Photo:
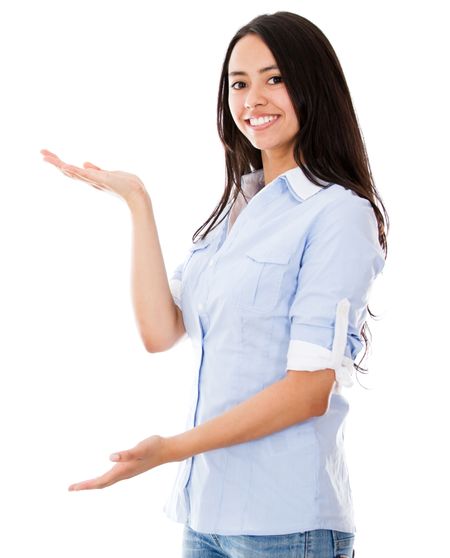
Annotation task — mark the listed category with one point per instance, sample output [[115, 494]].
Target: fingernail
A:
[[114, 457]]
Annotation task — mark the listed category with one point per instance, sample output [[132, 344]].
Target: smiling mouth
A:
[[264, 125]]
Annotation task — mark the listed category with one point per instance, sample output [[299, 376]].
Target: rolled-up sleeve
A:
[[176, 279], [175, 284], [341, 259]]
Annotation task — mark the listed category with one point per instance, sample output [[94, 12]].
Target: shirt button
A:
[[200, 306]]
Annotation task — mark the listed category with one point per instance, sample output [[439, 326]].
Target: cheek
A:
[[233, 111], [237, 120], [295, 124], [284, 102], [291, 117]]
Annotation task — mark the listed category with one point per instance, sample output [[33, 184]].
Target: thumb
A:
[[122, 456]]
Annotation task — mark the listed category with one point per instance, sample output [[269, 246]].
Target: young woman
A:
[[274, 298]]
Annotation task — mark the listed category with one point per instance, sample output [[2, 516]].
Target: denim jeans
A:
[[319, 543]]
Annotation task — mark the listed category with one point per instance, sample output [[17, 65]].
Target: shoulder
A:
[[339, 203], [347, 220], [337, 195]]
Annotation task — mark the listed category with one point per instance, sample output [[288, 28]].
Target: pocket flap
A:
[[263, 256]]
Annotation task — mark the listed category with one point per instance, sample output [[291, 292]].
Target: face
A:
[[257, 91]]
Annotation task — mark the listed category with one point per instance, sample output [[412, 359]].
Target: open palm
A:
[[148, 454], [118, 183]]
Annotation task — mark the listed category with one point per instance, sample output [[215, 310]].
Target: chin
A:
[[264, 146]]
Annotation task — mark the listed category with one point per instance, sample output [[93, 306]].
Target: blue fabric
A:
[[284, 288], [320, 543]]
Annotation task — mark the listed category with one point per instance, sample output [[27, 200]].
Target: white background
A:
[[133, 86]]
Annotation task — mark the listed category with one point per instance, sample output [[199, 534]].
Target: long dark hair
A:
[[329, 139]]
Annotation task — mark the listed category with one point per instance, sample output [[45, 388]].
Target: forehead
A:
[[250, 52]]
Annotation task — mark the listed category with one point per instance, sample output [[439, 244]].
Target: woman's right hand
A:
[[118, 183]]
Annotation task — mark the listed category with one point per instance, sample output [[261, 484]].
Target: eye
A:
[[277, 77], [239, 82]]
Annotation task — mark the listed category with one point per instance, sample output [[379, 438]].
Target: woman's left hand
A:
[[146, 455]]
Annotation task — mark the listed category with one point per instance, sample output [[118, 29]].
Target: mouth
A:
[[263, 125]]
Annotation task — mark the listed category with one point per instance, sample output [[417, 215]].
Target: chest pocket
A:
[[196, 259], [261, 278]]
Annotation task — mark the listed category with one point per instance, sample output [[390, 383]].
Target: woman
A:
[[273, 296]]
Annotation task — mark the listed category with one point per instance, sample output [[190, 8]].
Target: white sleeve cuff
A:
[[309, 356], [303, 355], [175, 289]]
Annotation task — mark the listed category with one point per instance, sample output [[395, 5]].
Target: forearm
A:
[[154, 307], [276, 407]]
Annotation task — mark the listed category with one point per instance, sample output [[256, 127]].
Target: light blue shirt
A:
[[282, 285]]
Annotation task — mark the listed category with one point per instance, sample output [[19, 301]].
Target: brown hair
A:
[[329, 139]]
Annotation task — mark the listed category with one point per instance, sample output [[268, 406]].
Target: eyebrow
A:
[[261, 71]]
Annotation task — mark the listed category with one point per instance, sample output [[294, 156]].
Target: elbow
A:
[[151, 347], [314, 389], [165, 338], [323, 405], [152, 350], [154, 345], [159, 345], [322, 410]]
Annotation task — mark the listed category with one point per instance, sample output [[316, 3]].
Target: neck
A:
[[275, 163]]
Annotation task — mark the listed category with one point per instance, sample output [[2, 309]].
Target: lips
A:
[[265, 125]]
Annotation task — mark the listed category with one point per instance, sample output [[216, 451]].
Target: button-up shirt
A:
[[281, 284]]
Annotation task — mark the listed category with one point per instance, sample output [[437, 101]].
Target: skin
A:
[[148, 453], [262, 93], [300, 394], [118, 183]]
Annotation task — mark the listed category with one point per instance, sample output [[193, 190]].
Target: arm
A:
[[159, 320], [298, 396]]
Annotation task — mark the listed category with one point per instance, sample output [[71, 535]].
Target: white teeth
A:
[[261, 120]]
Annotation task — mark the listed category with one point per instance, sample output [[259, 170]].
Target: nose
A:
[[254, 97]]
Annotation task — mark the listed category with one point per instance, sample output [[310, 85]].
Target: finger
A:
[[76, 174], [53, 159], [103, 481], [90, 484], [47, 152], [126, 455], [85, 485], [89, 175], [91, 166], [94, 177], [70, 170], [73, 172], [56, 161]]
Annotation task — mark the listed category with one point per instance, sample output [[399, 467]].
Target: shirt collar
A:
[[297, 181]]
